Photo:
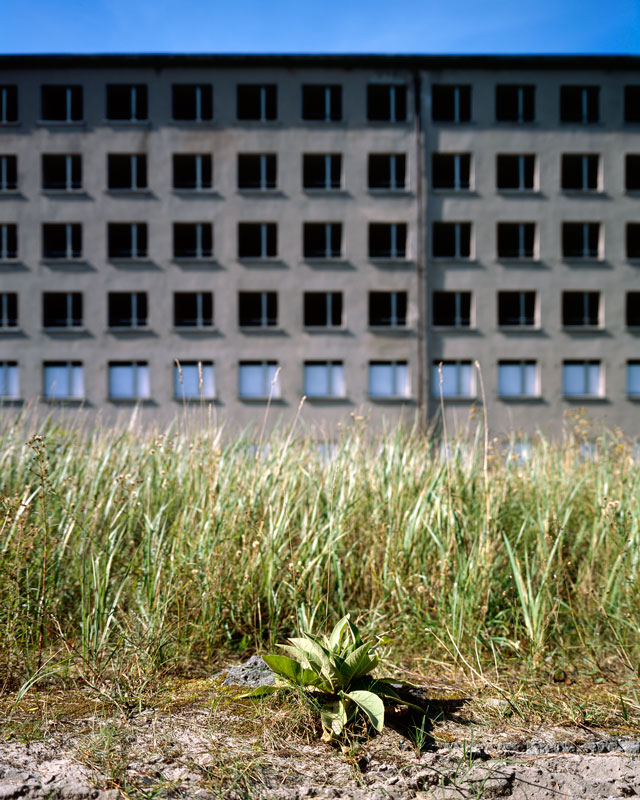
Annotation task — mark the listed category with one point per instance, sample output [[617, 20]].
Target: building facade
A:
[[227, 231]]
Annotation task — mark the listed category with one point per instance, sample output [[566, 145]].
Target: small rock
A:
[[253, 672], [10, 790], [498, 704]]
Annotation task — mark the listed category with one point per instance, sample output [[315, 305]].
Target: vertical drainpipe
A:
[[421, 277]]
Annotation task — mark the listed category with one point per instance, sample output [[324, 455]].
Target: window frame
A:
[[520, 325], [206, 377], [74, 317], [201, 323], [458, 228], [632, 366], [335, 378], [138, 173], [9, 377], [265, 321], [201, 252], [200, 185], [396, 392], [459, 185], [523, 254], [332, 230], [395, 253], [458, 318], [271, 385], [138, 232], [460, 366], [586, 365], [70, 368], [523, 365], [138, 317], [267, 230], [394, 184], [9, 312], [393, 103], [585, 171], [458, 90], [396, 320], [71, 254], [585, 103], [268, 162], [264, 101], [522, 188], [329, 298], [332, 103], [329, 184], [199, 102], [141, 380], [587, 298], [8, 231], [135, 103], [586, 255], [72, 164], [74, 96], [519, 118], [6, 103], [8, 186]]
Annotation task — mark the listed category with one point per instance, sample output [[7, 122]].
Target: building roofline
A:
[[345, 61]]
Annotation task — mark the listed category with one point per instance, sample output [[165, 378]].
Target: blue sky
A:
[[326, 26]]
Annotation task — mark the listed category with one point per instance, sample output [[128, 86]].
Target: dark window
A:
[[580, 172], [127, 101], [632, 103], [451, 309], [127, 171], [323, 309], [192, 172], [450, 103], [516, 309], [515, 173], [516, 239], [322, 239], [192, 309], [387, 240], [322, 171], [62, 103], [192, 102], [61, 173], [579, 104], [387, 171], [515, 103], [127, 239], [580, 239], [8, 173], [632, 173], [451, 240], [256, 102], [257, 171], [388, 309], [127, 309], [633, 239], [580, 308], [257, 309], [192, 240], [8, 241], [633, 309], [386, 102], [62, 240], [8, 310], [257, 240], [451, 170], [8, 103], [62, 309], [323, 103]]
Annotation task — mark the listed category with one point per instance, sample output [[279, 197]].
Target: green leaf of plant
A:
[[372, 706], [357, 664], [315, 654], [287, 667], [259, 691], [336, 634], [334, 717]]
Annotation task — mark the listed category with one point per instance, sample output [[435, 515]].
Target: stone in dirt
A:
[[252, 673]]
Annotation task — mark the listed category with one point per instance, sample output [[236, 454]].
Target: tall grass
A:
[[136, 551]]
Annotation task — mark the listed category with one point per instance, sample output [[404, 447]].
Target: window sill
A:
[[9, 125], [463, 261], [65, 330], [191, 123], [123, 261], [65, 194], [330, 398], [10, 194], [206, 192], [127, 123], [594, 261], [451, 190], [585, 398], [79, 263], [137, 331], [533, 193], [634, 261], [380, 123], [258, 123], [17, 331], [67, 401], [319, 260], [456, 398], [131, 401], [384, 192], [454, 328], [520, 398], [331, 329], [394, 330], [322, 191], [453, 123], [251, 330], [275, 192], [390, 262], [583, 329], [593, 193], [516, 262], [10, 401], [261, 400], [196, 329], [578, 123], [392, 398], [195, 400], [62, 124], [519, 328], [633, 329], [142, 194], [195, 262], [634, 398], [256, 261]]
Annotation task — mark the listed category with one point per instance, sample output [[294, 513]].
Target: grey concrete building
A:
[[224, 231]]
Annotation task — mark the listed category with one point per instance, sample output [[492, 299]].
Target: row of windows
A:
[[195, 310], [256, 240], [320, 241], [319, 102], [579, 172], [259, 380]]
